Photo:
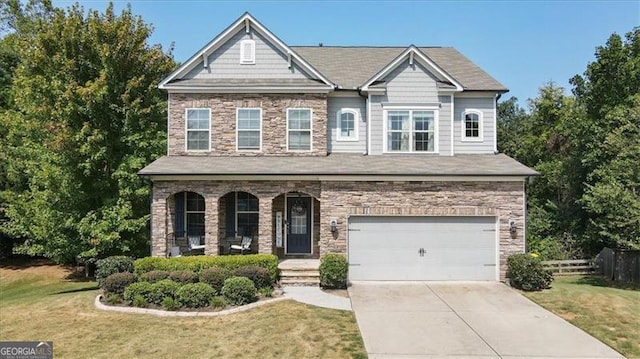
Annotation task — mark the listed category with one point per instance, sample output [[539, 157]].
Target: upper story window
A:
[[247, 52], [472, 125], [249, 129], [411, 131], [198, 121], [299, 129], [347, 125]]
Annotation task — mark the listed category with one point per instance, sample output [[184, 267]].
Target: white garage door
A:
[[422, 248]]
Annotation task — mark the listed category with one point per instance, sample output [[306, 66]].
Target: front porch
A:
[[195, 218]]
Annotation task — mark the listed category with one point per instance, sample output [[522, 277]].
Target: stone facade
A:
[[223, 122], [336, 200]]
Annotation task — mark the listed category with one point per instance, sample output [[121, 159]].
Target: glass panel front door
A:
[[299, 225]]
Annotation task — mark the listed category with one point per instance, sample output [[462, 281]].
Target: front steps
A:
[[299, 272]]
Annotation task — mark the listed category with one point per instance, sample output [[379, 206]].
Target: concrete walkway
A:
[[474, 319], [315, 296]]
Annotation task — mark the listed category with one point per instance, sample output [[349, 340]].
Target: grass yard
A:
[[606, 310], [39, 303]]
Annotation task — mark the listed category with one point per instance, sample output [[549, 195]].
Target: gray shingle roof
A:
[[341, 164], [246, 83], [351, 67]]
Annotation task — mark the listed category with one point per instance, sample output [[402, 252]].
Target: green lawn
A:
[[607, 310], [39, 303]]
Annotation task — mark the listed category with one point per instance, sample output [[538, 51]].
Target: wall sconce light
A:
[[512, 227], [334, 225]]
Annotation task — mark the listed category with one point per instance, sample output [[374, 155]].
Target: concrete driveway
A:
[[479, 320]]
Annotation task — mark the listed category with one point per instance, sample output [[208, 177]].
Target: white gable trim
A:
[[413, 53], [242, 24]]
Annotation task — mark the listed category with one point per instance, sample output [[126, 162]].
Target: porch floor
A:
[[299, 264]]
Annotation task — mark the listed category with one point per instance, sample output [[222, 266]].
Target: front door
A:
[[299, 225]]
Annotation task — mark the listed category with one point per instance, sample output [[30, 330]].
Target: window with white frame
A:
[[198, 122], [247, 211], [411, 131], [472, 125], [347, 128], [194, 214], [249, 129], [299, 129], [247, 52]]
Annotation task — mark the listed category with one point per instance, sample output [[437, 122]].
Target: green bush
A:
[[525, 271], [258, 275], [110, 265], [198, 263], [115, 283], [142, 289], [215, 277], [218, 302], [169, 303], [195, 295], [239, 290], [139, 301], [333, 271], [165, 288], [266, 292], [183, 276], [113, 299], [154, 276]]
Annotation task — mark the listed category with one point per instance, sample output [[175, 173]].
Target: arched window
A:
[[347, 128], [472, 125]]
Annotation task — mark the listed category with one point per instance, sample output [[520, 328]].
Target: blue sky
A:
[[523, 44]]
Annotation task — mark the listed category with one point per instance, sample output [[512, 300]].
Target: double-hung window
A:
[[249, 129], [472, 125], [198, 129], [299, 129], [411, 131], [347, 125]]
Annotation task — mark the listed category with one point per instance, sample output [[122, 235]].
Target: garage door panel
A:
[[456, 248]]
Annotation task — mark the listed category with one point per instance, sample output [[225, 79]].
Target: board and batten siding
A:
[[484, 104], [224, 62], [335, 104]]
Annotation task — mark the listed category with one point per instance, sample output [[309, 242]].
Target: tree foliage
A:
[[85, 116], [587, 150]]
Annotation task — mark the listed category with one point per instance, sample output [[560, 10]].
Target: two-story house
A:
[[385, 154]]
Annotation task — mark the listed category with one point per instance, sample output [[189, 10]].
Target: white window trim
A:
[[186, 129], [356, 125], [241, 212], [252, 60], [463, 125], [436, 117], [310, 129], [238, 129]]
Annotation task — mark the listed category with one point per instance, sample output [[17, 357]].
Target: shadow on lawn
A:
[[599, 281], [76, 290]]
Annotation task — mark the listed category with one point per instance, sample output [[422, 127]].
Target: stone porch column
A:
[[158, 224], [211, 225], [265, 225]]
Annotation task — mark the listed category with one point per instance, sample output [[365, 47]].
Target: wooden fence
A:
[[619, 265], [570, 266]]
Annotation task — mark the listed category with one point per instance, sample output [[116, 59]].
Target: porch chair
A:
[[174, 252], [244, 246], [194, 243]]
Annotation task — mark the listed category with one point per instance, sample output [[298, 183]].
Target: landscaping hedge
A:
[[114, 264], [140, 289], [160, 290], [117, 282], [239, 290], [258, 275], [215, 277], [525, 271], [154, 276], [183, 276], [333, 271], [198, 263], [195, 295]]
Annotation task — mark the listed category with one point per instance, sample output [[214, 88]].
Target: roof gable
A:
[[245, 23]]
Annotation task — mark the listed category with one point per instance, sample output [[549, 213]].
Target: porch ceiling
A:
[[340, 165]]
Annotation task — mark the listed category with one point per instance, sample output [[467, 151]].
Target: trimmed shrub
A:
[[110, 265], [215, 277], [154, 276], [183, 276], [142, 289], [525, 271], [165, 288], [169, 303], [258, 275], [218, 302], [333, 271], [195, 295], [239, 290], [115, 283], [198, 263]]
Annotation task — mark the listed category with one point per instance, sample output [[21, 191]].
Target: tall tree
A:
[[88, 117]]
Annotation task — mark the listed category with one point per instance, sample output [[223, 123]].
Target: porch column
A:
[[158, 224], [265, 225], [211, 225]]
